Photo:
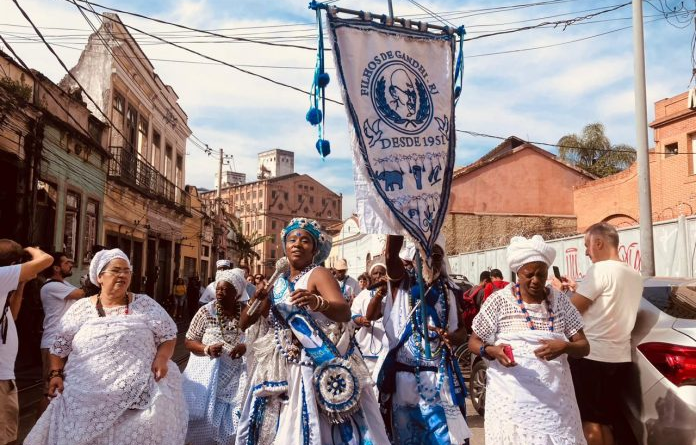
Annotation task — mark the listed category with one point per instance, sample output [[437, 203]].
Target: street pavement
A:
[[475, 422], [30, 395]]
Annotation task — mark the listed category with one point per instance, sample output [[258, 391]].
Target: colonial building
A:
[[672, 173], [265, 206], [357, 248], [197, 241], [53, 167], [515, 189], [145, 204]]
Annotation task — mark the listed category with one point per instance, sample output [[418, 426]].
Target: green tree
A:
[[593, 152], [245, 244]]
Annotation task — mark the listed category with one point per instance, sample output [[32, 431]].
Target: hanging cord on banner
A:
[[317, 98], [424, 313], [459, 70]]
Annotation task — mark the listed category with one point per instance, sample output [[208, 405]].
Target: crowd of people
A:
[[319, 357]]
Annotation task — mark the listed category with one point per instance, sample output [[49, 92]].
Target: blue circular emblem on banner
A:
[[401, 98]]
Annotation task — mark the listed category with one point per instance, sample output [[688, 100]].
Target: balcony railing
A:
[[135, 172]]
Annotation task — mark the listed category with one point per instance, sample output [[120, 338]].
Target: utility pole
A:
[[219, 202], [647, 256]]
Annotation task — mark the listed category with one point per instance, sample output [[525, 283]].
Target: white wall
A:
[[674, 253], [355, 247]]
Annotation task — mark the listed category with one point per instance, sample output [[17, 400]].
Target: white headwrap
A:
[[408, 253], [235, 277], [523, 251], [223, 263], [101, 259], [369, 272]]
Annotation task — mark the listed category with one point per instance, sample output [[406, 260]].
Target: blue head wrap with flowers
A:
[[322, 242]]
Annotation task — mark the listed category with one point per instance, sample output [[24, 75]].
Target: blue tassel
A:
[[323, 147], [314, 116], [323, 80], [317, 110], [459, 66]]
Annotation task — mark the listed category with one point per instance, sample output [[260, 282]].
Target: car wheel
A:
[[462, 354], [477, 386]]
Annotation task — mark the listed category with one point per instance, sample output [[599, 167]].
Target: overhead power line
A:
[[548, 144], [178, 25], [67, 70], [251, 73]]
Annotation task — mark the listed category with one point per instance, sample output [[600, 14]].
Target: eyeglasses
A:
[[118, 271]]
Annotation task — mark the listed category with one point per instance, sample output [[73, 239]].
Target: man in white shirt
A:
[[608, 298], [12, 278], [209, 292], [57, 295], [349, 285]]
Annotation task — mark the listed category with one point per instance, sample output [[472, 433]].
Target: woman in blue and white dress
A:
[[312, 364], [216, 372]]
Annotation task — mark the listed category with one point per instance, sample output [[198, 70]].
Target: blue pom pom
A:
[[323, 147], [457, 91], [314, 116], [323, 80]]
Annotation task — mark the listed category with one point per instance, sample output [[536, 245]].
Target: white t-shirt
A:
[[9, 279], [615, 289], [55, 303], [208, 294], [349, 287]]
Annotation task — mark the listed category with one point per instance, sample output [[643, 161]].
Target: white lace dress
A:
[[110, 395], [534, 402], [212, 386]]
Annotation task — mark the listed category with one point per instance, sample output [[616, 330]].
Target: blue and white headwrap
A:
[[322, 242]]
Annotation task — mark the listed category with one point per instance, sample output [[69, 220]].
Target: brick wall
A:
[[466, 232], [672, 180]]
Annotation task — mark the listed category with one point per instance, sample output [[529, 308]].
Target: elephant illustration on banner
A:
[[391, 178]]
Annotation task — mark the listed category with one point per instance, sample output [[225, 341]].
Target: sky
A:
[[537, 84]]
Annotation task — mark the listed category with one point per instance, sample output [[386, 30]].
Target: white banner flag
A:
[[397, 87]]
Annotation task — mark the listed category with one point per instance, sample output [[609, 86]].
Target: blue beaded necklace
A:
[[520, 303]]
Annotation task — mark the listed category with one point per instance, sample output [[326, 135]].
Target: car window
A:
[[677, 301]]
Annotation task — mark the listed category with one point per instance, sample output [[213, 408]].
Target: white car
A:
[[661, 401]]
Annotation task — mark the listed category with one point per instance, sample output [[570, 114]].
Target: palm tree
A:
[[593, 152], [244, 244]]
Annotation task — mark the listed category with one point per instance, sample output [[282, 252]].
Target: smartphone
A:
[[557, 273], [507, 350]]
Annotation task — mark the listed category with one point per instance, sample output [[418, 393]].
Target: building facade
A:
[[672, 173], [145, 205], [197, 240], [54, 151], [357, 248], [515, 189], [265, 206]]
